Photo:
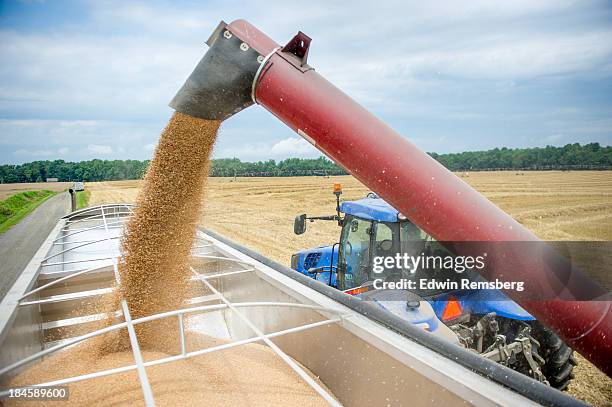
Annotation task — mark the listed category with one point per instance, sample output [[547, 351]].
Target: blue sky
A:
[[92, 79]]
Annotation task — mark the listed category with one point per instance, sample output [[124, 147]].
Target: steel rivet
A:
[[227, 34], [244, 46], [260, 59]]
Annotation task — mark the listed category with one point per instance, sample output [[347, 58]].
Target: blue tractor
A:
[[484, 321]]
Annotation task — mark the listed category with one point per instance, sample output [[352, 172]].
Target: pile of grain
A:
[[155, 274], [248, 375]]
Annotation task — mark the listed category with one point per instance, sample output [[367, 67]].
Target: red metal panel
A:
[[252, 36], [427, 193]]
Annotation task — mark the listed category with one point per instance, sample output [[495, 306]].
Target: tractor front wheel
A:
[[558, 358]]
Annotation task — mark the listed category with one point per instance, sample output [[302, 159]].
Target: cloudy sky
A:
[[92, 79]]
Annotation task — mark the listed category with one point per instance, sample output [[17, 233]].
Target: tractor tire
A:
[[559, 359]]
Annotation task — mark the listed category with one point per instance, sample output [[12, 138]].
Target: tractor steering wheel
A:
[[385, 245], [348, 251]]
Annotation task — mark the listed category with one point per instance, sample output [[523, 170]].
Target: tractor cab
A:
[[371, 228]]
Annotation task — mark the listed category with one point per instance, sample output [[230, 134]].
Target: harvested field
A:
[[259, 212], [113, 192], [7, 190], [554, 205]]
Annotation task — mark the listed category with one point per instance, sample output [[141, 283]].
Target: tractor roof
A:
[[372, 208]]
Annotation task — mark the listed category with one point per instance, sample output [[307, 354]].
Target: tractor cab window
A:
[[412, 239], [416, 242], [354, 253], [386, 244]]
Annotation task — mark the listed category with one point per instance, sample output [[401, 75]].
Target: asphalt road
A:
[[19, 243]]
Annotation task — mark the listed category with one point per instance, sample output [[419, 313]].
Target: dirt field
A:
[[259, 212], [7, 190]]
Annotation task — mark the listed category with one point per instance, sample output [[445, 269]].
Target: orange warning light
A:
[[337, 188]]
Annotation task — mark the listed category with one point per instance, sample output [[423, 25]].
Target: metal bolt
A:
[[260, 59], [227, 34], [244, 46]]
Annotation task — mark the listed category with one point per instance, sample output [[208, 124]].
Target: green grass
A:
[[82, 199], [16, 207]]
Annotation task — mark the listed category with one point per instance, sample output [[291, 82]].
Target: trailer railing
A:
[[105, 213]]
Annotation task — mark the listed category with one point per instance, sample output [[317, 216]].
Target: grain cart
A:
[[244, 66], [243, 298], [485, 321]]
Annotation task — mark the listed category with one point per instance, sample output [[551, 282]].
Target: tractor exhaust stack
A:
[[244, 66]]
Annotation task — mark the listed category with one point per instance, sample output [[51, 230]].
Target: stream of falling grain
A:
[[154, 272], [156, 245]]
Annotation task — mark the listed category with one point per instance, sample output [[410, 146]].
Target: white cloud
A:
[[176, 21], [72, 139], [456, 65], [286, 148], [135, 70], [294, 147], [33, 153], [86, 75], [99, 149], [554, 138]]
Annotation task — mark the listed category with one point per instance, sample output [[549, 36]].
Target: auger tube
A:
[[230, 78]]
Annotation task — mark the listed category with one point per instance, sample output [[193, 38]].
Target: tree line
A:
[[93, 170], [570, 156], [230, 167]]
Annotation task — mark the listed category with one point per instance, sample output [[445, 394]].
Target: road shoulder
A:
[[20, 242]]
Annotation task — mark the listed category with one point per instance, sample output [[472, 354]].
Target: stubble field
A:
[[259, 212], [7, 190]]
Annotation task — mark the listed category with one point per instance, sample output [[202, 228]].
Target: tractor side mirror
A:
[[299, 225]]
